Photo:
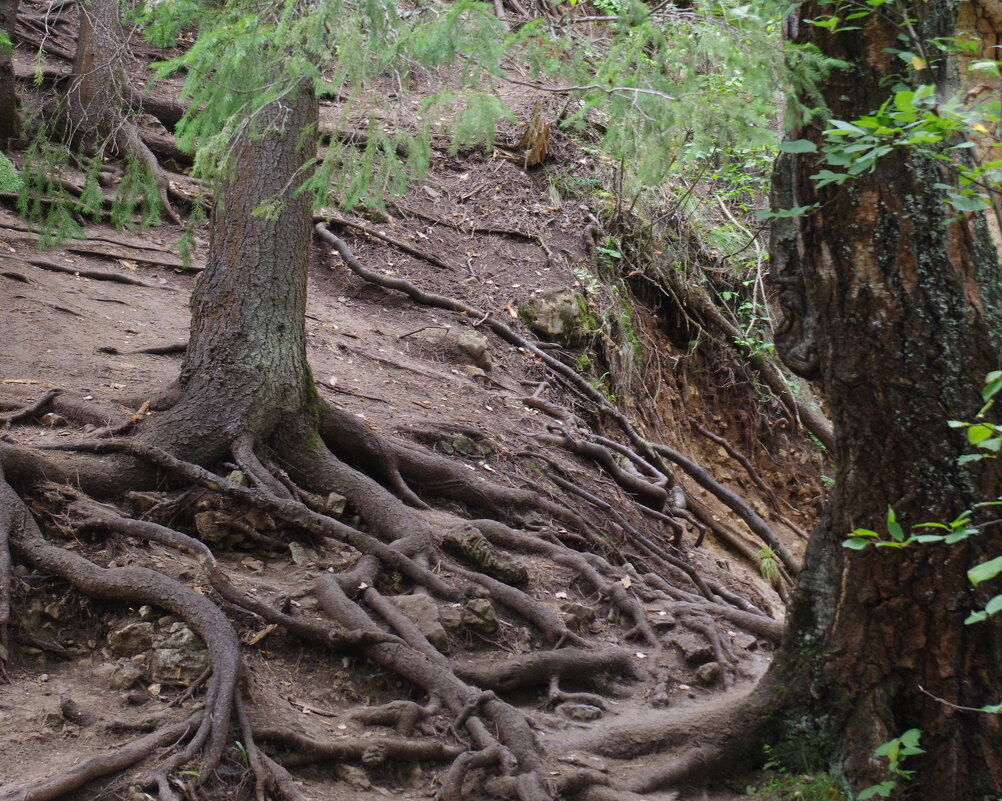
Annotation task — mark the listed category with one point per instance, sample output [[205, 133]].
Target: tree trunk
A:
[[100, 82], [895, 309], [9, 123], [102, 102], [245, 369]]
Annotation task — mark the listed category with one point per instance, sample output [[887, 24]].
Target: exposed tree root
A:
[[368, 230], [30, 409], [540, 668], [488, 743], [141, 585], [369, 751], [96, 275], [689, 296], [652, 452], [123, 756]]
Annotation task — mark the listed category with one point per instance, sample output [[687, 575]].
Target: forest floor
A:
[[82, 672]]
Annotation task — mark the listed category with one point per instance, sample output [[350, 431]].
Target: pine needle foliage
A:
[[10, 178], [670, 87]]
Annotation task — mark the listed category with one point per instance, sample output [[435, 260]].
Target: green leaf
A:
[[842, 125], [968, 202], [993, 383], [882, 790], [985, 571], [969, 457], [994, 605], [798, 146], [893, 527], [979, 433], [855, 543], [909, 741], [994, 444], [992, 709], [925, 538]]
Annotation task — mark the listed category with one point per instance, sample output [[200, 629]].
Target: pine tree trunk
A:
[[9, 122], [897, 311], [100, 82], [245, 370]]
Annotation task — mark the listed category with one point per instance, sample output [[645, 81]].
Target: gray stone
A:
[[695, 649], [353, 776], [299, 554], [136, 638], [124, 676], [579, 616], [180, 636], [478, 616], [238, 477], [451, 617], [147, 612], [475, 345], [579, 711], [557, 315], [422, 611], [178, 665], [709, 673], [472, 547]]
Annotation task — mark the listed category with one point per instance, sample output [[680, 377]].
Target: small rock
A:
[[53, 420], [213, 526], [178, 665], [124, 676], [299, 554], [238, 477], [695, 649], [579, 616], [709, 673], [135, 638], [475, 345], [472, 547], [166, 621], [557, 315], [180, 636], [334, 504], [478, 615], [451, 617], [353, 776], [579, 711], [423, 613], [146, 612], [74, 713]]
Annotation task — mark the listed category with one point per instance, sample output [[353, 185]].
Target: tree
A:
[[9, 122], [101, 105], [893, 302]]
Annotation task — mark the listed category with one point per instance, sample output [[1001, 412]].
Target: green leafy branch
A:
[[895, 752]]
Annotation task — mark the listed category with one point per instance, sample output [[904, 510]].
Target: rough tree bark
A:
[[10, 124], [102, 103], [245, 369], [896, 309]]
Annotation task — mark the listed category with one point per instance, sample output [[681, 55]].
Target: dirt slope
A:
[[76, 683]]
